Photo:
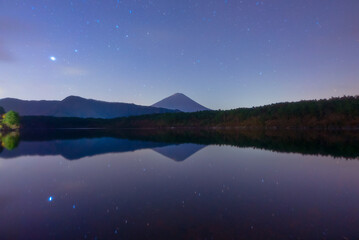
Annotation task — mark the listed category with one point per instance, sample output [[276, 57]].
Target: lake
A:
[[145, 184]]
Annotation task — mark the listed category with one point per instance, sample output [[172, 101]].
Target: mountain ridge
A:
[[75, 106], [180, 102]]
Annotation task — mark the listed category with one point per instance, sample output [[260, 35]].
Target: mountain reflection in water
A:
[[174, 144]]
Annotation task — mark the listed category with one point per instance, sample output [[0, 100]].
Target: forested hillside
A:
[[329, 113]]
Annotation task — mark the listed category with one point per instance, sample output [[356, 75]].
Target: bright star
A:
[[50, 199], [52, 58]]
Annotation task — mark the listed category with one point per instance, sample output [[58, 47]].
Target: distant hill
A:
[[180, 102], [74, 106]]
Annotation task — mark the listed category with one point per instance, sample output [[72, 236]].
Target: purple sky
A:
[[223, 54]]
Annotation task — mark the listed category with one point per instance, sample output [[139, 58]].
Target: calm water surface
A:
[[117, 188]]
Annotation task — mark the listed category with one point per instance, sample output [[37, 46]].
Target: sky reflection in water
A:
[[207, 192]]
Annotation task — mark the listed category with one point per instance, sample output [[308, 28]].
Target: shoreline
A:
[[192, 128]]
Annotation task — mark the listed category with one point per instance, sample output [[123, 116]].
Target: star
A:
[[52, 58]]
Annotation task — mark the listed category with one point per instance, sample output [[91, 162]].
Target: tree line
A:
[[327, 113], [334, 113]]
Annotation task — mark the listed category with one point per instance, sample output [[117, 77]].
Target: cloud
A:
[[8, 26], [74, 71], [5, 55], [12, 31]]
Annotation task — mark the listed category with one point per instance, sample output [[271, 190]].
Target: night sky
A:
[[223, 54]]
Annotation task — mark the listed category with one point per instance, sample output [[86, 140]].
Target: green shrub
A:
[[12, 120]]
